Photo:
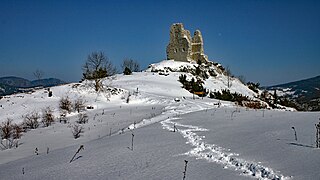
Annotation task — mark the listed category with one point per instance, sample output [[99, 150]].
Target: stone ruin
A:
[[184, 48]]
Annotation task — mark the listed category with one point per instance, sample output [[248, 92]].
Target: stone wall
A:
[[184, 48]]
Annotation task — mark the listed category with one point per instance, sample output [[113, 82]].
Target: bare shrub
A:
[[82, 118], [31, 120], [77, 130], [10, 133], [47, 117], [6, 129], [79, 105], [65, 104], [17, 131]]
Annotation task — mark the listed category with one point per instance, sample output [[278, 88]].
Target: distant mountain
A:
[[305, 93], [11, 84], [15, 81], [47, 82]]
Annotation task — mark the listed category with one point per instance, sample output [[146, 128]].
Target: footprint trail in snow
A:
[[220, 155], [203, 150]]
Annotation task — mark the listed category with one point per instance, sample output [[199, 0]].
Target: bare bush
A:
[[10, 133], [47, 117], [65, 104], [82, 118], [77, 130], [79, 105], [6, 129], [31, 120], [17, 131]]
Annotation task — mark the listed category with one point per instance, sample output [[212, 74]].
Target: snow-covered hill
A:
[[130, 133], [216, 82]]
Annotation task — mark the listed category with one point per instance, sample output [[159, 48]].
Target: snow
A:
[[219, 142], [283, 92], [174, 65]]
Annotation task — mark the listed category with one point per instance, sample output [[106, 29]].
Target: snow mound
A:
[[216, 81], [169, 64]]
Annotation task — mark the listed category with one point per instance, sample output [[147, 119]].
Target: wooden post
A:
[[132, 142], [317, 135], [295, 133], [185, 169]]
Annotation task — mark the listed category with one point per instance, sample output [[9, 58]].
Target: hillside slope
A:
[[306, 93], [130, 133]]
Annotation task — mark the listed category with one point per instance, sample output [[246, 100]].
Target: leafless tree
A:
[[38, 74], [96, 67], [228, 73], [133, 65]]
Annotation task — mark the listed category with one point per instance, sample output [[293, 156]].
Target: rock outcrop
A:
[[184, 48]]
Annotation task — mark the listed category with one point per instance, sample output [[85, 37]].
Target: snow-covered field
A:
[[219, 142]]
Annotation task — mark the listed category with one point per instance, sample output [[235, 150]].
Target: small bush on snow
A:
[[77, 130], [65, 104], [10, 133], [82, 118], [31, 120], [47, 117], [6, 129], [79, 105]]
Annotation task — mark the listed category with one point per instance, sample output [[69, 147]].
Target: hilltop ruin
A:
[[182, 47]]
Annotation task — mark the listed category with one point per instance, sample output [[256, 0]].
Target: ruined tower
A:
[[182, 47]]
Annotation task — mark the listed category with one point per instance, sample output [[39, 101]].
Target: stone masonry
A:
[[184, 48]]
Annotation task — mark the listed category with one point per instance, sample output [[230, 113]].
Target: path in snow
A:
[[212, 152]]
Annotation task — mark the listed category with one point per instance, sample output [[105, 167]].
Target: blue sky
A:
[[266, 41]]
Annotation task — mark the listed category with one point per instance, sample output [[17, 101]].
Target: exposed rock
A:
[[184, 48]]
